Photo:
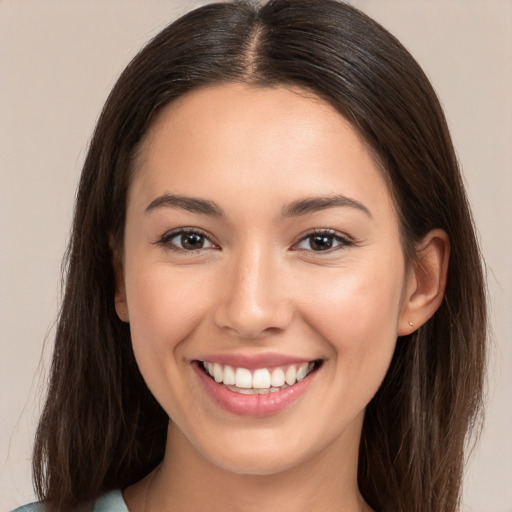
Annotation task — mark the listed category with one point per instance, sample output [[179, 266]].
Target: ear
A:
[[426, 282], [121, 303]]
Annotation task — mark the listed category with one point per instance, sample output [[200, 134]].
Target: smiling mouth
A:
[[259, 381]]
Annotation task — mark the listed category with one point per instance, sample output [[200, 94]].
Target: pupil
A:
[[191, 241], [321, 242]]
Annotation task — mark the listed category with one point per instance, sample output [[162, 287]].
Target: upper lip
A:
[[253, 361]]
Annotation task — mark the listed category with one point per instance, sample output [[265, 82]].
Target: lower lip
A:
[[252, 405]]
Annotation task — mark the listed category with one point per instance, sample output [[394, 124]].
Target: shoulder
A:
[[110, 502], [31, 507]]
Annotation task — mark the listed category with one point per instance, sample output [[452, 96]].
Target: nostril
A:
[[252, 325]]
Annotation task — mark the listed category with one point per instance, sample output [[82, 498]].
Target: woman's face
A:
[[261, 241]]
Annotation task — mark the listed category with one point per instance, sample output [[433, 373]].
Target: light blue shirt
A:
[[110, 502]]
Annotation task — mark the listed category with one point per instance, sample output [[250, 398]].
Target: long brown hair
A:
[[101, 428]]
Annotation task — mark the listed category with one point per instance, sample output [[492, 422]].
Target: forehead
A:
[[259, 139]]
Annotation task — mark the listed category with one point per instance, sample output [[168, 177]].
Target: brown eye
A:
[[186, 240], [323, 241], [191, 241]]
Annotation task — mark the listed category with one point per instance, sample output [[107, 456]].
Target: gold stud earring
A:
[[411, 324]]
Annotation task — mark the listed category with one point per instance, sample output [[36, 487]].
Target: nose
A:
[[253, 300]]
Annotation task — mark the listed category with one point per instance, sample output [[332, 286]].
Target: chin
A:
[[255, 465], [252, 456]]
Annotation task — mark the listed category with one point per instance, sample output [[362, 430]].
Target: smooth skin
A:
[[255, 273]]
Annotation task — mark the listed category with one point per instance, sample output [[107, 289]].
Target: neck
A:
[[186, 481]]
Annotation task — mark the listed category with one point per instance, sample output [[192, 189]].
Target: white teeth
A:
[[243, 378], [245, 391], [218, 374], [291, 375], [229, 376], [302, 371], [261, 380], [277, 379]]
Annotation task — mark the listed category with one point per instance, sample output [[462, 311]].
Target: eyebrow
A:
[[294, 209], [315, 204], [190, 204]]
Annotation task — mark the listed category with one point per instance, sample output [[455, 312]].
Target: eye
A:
[[322, 241], [186, 240]]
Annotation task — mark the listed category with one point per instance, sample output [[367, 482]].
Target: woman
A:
[[274, 295]]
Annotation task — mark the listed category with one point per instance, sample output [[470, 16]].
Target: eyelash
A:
[[166, 240], [334, 236], [342, 241]]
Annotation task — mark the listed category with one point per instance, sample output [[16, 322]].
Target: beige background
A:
[[58, 60]]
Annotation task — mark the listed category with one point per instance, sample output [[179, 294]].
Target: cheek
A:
[[165, 307], [357, 318]]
